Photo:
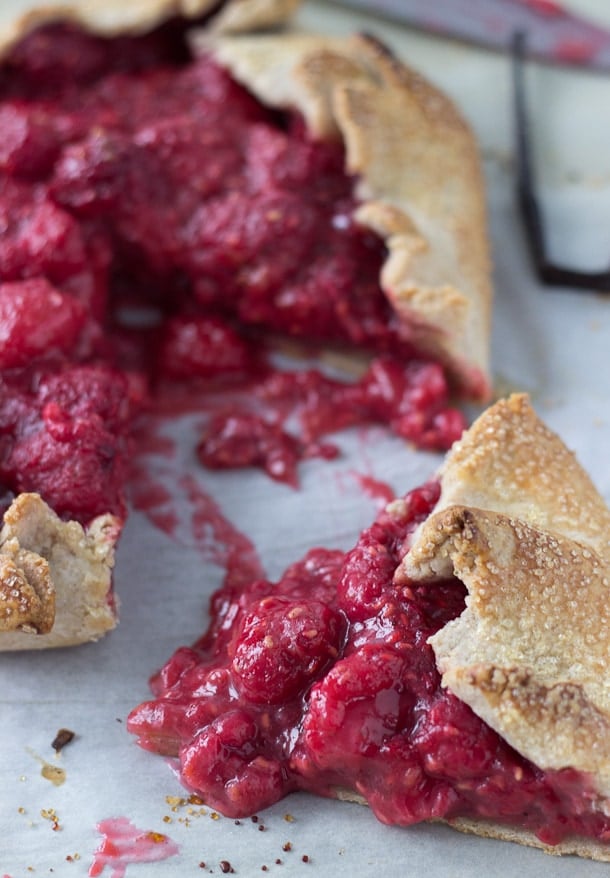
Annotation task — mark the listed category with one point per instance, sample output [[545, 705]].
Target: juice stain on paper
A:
[[124, 844]]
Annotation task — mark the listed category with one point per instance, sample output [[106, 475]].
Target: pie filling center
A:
[[151, 210]]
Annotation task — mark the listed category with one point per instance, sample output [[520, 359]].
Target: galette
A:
[[178, 191], [452, 666], [175, 195]]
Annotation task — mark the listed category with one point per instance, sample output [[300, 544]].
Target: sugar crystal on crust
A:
[[55, 577], [27, 594]]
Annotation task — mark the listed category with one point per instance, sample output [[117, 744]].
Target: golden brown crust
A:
[[511, 461], [27, 593], [582, 847], [240, 16], [419, 178], [110, 18], [520, 523], [62, 573]]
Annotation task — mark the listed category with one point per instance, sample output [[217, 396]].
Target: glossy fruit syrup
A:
[[325, 681]]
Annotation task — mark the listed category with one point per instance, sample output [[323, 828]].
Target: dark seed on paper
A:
[[63, 737]]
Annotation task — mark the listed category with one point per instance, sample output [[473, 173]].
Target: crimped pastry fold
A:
[[110, 18], [521, 525], [417, 173]]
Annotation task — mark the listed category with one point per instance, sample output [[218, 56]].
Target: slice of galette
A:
[[169, 200], [55, 577], [452, 666]]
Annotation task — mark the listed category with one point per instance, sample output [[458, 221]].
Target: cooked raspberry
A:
[[413, 399], [91, 175], [183, 660], [223, 765], [356, 707], [88, 390], [324, 405], [242, 244], [54, 57], [279, 160], [452, 744], [283, 645], [29, 143], [36, 319], [365, 576], [366, 579], [243, 439], [203, 347], [314, 576], [68, 441], [41, 240]]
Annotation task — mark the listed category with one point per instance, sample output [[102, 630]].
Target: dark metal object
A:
[[555, 34], [548, 272]]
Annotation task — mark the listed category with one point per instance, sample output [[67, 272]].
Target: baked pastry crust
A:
[[27, 593], [581, 847], [113, 17], [55, 577], [522, 526], [418, 172]]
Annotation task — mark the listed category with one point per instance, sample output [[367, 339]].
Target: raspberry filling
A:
[[325, 681], [63, 434], [238, 212], [151, 211]]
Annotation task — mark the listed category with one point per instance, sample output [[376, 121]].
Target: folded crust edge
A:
[[80, 605], [418, 177], [109, 18], [577, 846]]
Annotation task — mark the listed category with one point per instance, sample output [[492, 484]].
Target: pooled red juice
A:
[[123, 844]]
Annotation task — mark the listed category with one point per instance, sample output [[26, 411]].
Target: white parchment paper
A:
[[553, 344]]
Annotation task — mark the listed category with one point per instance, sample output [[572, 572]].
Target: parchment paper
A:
[[553, 344]]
